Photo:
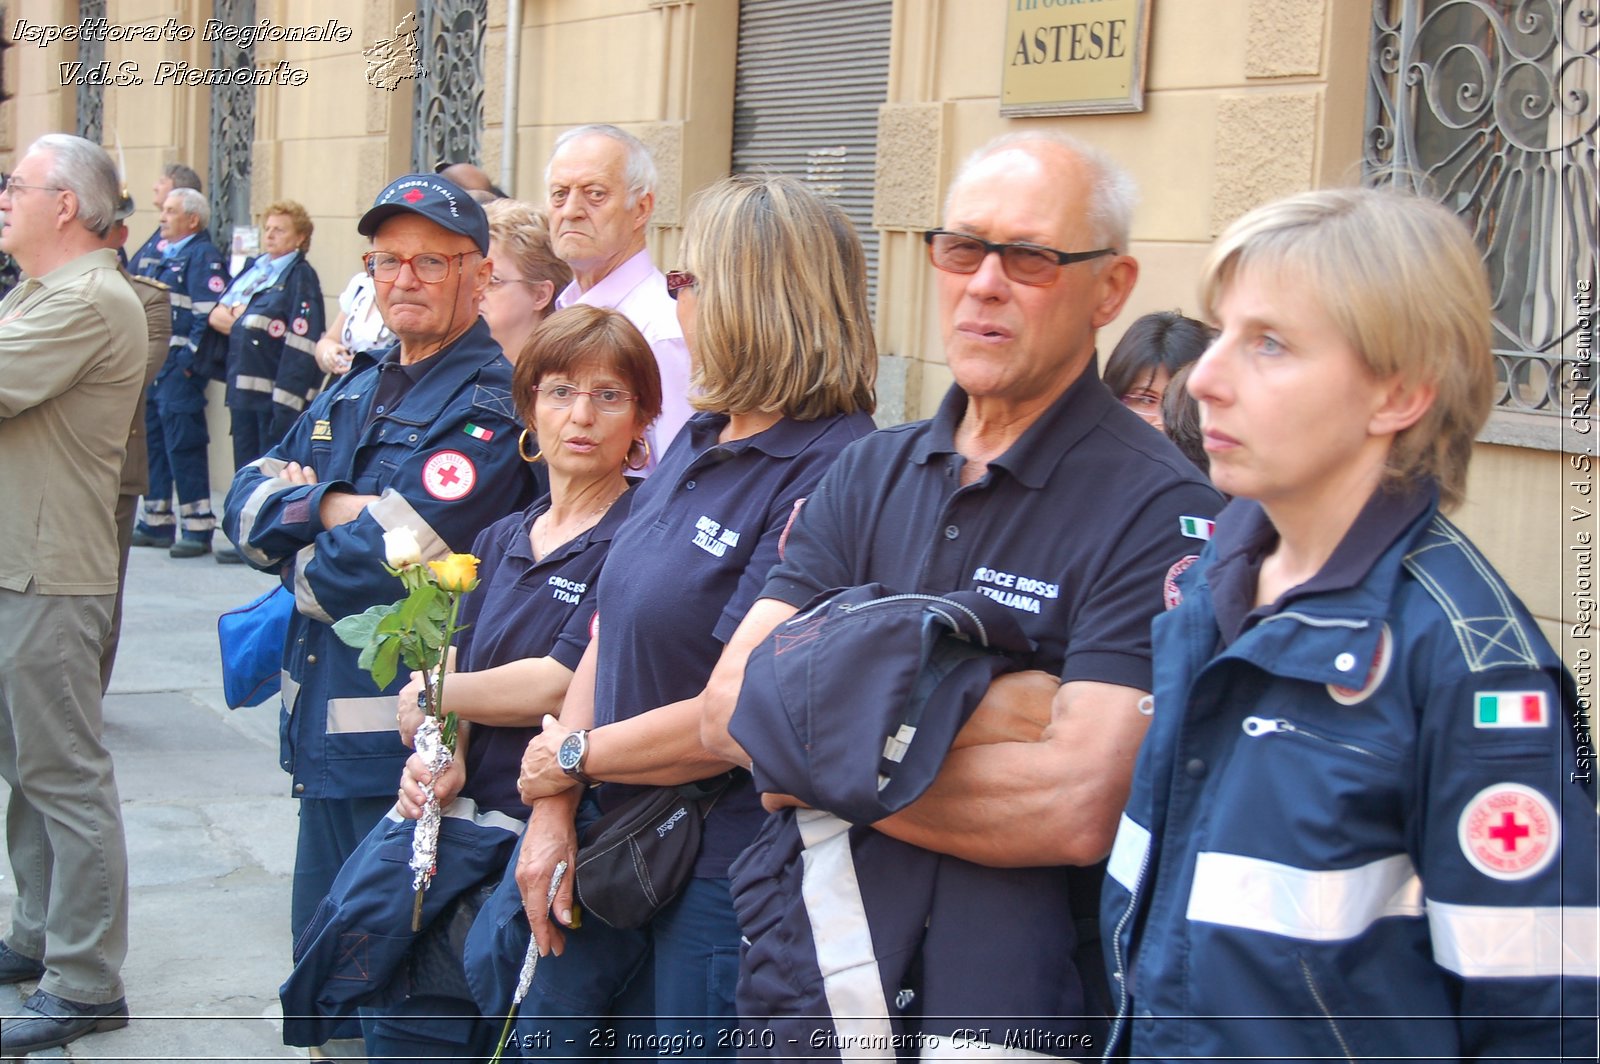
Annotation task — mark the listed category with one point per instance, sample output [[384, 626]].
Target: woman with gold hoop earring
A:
[[586, 385]]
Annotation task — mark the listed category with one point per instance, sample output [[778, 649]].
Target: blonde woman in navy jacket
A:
[[1362, 823]]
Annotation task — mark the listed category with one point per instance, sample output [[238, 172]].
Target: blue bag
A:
[[252, 639]]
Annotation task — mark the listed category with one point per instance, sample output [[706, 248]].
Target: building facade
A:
[[1488, 105]]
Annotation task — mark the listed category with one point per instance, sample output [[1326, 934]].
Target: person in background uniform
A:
[[195, 273], [271, 315], [1152, 351], [426, 440], [147, 260], [135, 464], [472, 178], [72, 356], [601, 186], [1361, 826], [1004, 492]]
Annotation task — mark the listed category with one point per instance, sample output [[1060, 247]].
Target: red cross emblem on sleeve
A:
[[1509, 831], [449, 475]]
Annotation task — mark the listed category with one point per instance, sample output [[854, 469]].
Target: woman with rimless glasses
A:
[[587, 388]]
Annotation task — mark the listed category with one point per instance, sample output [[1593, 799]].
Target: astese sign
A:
[[1066, 57]]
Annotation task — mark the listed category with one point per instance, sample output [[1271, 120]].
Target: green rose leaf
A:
[[358, 629]]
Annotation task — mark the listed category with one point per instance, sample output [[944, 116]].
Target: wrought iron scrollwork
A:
[[1488, 106], [91, 53], [447, 121], [233, 127]]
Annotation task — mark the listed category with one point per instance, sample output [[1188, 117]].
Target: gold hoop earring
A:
[[522, 449], [644, 459]]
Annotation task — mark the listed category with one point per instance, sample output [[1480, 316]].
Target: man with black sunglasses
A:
[[1034, 486], [426, 440]]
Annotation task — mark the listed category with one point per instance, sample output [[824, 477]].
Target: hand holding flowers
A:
[[418, 630]]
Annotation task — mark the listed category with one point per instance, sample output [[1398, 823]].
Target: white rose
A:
[[401, 548]]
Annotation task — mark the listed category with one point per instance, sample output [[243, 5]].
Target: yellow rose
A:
[[457, 572]]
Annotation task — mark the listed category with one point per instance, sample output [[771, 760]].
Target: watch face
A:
[[570, 755]]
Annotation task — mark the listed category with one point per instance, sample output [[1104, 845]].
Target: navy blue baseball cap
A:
[[437, 199]]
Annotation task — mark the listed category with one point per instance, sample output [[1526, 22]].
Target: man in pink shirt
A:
[[601, 183]]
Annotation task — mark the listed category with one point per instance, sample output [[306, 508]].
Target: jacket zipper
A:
[[983, 633], [1121, 974], [1311, 984], [1255, 727]]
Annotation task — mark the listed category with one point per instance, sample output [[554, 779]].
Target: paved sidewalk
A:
[[211, 831]]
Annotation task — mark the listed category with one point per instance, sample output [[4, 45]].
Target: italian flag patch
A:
[[478, 432], [1196, 527], [1510, 709]]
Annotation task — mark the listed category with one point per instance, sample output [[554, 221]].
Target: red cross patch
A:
[[1170, 593], [216, 284], [1509, 831], [413, 195], [449, 475], [274, 328], [299, 326]]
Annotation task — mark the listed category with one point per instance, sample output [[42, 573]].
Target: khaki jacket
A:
[[158, 326], [72, 358]]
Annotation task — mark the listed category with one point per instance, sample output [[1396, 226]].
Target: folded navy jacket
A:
[[361, 934]]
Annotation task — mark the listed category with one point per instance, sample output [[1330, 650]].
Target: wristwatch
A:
[[570, 754]]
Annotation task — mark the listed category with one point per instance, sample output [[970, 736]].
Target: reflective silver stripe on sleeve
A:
[[205, 307], [376, 714], [845, 957], [393, 511], [288, 399], [1316, 906], [300, 343], [253, 384], [248, 514], [1511, 942], [305, 600], [255, 321], [467, 809], [178, 341], [1127, 854], [180, 301], [290, 690]]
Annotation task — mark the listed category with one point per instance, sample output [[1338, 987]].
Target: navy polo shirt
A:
[[1245, 536], [704, 531], [526, 609], [1074, 527]]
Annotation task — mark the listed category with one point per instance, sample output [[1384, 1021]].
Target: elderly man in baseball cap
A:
[[425, 440]]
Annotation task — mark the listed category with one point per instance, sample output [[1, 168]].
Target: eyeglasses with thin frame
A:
[[678, 280], [605, 400], [496, 281], [7, 183], [1024, 263], [430, 267]]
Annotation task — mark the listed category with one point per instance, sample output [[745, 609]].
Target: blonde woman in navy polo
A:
[[773, 306]]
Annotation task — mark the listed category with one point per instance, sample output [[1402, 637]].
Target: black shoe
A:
[[228, 556], [48, 1021], [189, 547], [141, 538], [16, 968]]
